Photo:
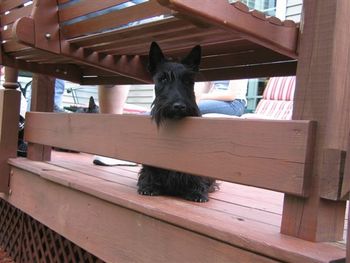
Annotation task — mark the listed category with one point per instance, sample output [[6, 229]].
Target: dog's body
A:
[[175, 99]]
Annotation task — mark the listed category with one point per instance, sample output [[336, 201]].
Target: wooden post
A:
[[43, 89], [322, 94], [10, 100]]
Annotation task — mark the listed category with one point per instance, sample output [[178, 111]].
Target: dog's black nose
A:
[[179, 106]]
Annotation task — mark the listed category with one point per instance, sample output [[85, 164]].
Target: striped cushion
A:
[[134, 109], [275, 109], [280, 88], [277, 101]]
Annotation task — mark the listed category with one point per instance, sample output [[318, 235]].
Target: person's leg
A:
[[111, 100], [201, 88], [59, 90], [235, 107]]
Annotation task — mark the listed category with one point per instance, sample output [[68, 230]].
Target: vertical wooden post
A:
[[322, 94], [10, 100], [43, 89]]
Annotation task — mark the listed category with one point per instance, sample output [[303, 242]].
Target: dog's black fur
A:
[[92, 108], [175, 99]]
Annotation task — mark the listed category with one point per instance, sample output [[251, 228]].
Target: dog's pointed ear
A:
[[92, 102], [193, 59], [155, 57]]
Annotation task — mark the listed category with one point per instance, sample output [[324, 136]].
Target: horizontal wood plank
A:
[[221, 13], [110, 239], [85, 7], [114, 19], [267, 154], [15, 14], [7, 5], [118, 234]]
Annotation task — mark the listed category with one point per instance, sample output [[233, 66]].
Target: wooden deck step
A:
[[98, 208]]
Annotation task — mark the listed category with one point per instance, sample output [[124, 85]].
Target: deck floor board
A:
[[245, 202], [243, 216]]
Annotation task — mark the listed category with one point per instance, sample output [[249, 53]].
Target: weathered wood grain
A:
[[9, 117], [322, 94], [268, 154]]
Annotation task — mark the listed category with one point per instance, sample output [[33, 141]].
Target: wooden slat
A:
[[114, 19], [113, 242], [13, 46], [61, 201], [279, 150], [62, 71], [221, 13], [256, 56], [7, 5], [191, 36], [15, 14], [85, 7], [62, 1], [6, 34], [250, 71], [128, 66], [160, 27]]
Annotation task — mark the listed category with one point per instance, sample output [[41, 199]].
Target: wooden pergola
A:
[[305, 158]]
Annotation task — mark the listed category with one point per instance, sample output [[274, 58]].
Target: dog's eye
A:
[[163, 78]]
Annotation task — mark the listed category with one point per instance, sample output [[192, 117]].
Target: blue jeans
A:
[[59, 90], [235, 107]]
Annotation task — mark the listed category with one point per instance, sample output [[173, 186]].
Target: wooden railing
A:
[[269, 154]]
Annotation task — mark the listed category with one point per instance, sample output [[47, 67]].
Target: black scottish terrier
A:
[[175, 99]]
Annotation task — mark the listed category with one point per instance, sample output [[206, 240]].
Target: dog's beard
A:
[[161, 113]]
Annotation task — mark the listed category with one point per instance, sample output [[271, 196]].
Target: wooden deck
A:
[[239, 224]]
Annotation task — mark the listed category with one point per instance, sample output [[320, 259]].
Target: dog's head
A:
[[174, 84], [93, 108]]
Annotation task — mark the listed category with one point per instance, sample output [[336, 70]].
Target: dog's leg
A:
[[197, 188], [149, 181]]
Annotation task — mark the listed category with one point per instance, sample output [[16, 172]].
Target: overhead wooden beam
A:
[[249, 71], [62, 71]]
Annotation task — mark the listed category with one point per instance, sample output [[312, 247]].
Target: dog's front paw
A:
[[197, 197], [148, 192]]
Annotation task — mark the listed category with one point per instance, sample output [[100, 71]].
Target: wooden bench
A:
[[47, 37]]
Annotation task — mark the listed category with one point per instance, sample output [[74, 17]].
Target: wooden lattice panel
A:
[[27, 240], [11, 225]]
